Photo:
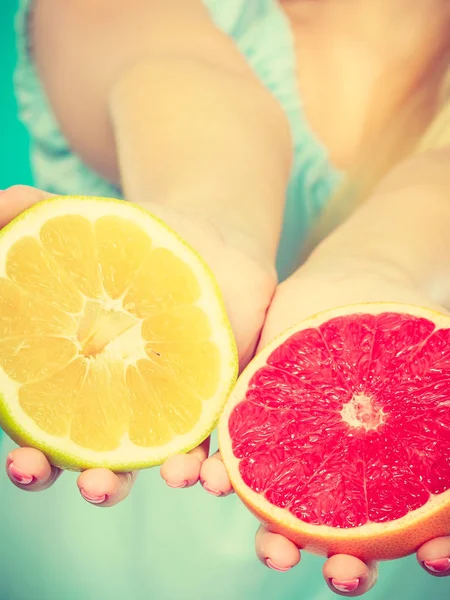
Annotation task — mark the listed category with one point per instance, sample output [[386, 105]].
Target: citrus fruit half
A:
[[115, 348], [337, 435]]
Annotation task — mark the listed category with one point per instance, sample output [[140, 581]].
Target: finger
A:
[[18, 198], [104, 488], [214, 476], [349, 576], [28, 469], [183, 470], [434, 557], [275, 551]]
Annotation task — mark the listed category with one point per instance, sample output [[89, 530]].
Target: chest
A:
[[355, 74]]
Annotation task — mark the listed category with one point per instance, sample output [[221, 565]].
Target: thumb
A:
[[18, 198]]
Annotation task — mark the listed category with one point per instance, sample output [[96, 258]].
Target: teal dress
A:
[[165, 544]]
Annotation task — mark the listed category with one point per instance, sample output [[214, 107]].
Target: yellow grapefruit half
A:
[[115, 348], [337, 435]]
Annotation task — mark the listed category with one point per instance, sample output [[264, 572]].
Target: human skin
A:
[[231, 213]]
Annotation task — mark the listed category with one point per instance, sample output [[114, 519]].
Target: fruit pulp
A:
[[349, 423]]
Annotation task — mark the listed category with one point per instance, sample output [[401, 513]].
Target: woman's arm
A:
[[202, 140], [401, 234], [153, 96], [395, 248]]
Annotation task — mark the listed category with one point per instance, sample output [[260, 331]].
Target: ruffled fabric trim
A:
[[264, 36]]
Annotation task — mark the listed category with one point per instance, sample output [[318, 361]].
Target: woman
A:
[[217, 116]]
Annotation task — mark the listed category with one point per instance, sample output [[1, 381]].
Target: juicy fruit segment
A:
[[26, 360], [50, 402], [119, 261], [347, 424], [34, 271], [72, 244], [163, 282], [105, 338]]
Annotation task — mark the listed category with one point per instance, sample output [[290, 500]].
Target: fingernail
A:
[[275, 567], [19, 476], [177, 485], [92, 499], [211, 491], [345, 586], [440, 565]]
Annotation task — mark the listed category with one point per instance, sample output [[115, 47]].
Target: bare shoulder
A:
[[81, 47]]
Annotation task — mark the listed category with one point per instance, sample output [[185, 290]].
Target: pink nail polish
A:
[[345, 586], [177, 485], [93, 499], [211, 491], [18, 476], [275, 567], [440, 565]]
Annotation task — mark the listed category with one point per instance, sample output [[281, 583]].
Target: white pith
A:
[[129, 345], [360, 412], [275, 514]]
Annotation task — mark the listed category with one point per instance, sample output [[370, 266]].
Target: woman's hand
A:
[[192, 127], [247, 282], [296, 299], [394, 248]]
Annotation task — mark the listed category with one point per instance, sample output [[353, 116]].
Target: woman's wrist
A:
[[197, 229], [399, 235]]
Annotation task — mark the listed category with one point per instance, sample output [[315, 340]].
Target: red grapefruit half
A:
[[337, 435]]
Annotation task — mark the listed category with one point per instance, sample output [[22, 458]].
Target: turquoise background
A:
[[14, 141], [15, 169], [14, 156]]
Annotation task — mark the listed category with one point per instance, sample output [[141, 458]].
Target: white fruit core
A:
[[361, 411], [99, 327]]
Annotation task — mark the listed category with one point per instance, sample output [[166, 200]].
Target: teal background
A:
[[14, 144], [400, 581]]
